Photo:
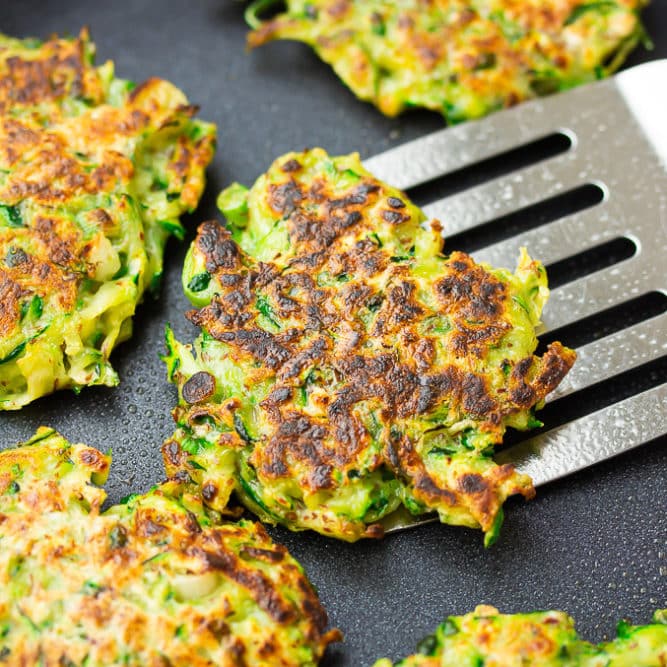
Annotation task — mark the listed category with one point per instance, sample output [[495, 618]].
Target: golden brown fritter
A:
[[346, 366], [152, 581], [463, 58], [94, 174], [488, 638]]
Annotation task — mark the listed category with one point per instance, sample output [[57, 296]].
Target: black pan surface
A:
[[594, 544]]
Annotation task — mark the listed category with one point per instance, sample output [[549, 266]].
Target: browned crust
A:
[[59, 70], [199, 387], [44, 169], [233, 553], [52, 160], [10, 293], [122, 548], [405, 381], [478, 491]]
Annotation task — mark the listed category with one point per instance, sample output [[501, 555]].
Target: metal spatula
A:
[[618, 142]]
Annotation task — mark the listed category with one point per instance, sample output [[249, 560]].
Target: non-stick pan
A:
[[594, 544]]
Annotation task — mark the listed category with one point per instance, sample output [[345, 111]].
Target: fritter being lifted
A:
[[462, 58], [151, 581], [539, 639], [345, 365], [94, 174]]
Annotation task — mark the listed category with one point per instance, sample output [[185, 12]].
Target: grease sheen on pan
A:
[[346, 366], [94, 174], [462, 58], [153, 582], [488, 638]]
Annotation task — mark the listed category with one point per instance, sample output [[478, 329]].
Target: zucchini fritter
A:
[[539, 639], [94, 174], [462, 58], [148, 582], [346, 366]]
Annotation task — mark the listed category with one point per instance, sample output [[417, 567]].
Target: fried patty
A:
[[150, 582], [94, 174], [346, 366], [538, 639], [462, 58]]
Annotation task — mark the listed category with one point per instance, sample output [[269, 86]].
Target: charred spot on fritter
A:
[[218, 248], [200, 387], [355, 366]]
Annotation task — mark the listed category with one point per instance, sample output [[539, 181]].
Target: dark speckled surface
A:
[[594, 544]]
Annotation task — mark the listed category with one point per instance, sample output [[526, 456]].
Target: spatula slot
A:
[[607, 322], [594, 437], [490, 168], [531, 217], [601, 394], [617, 353], [586, 262]]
